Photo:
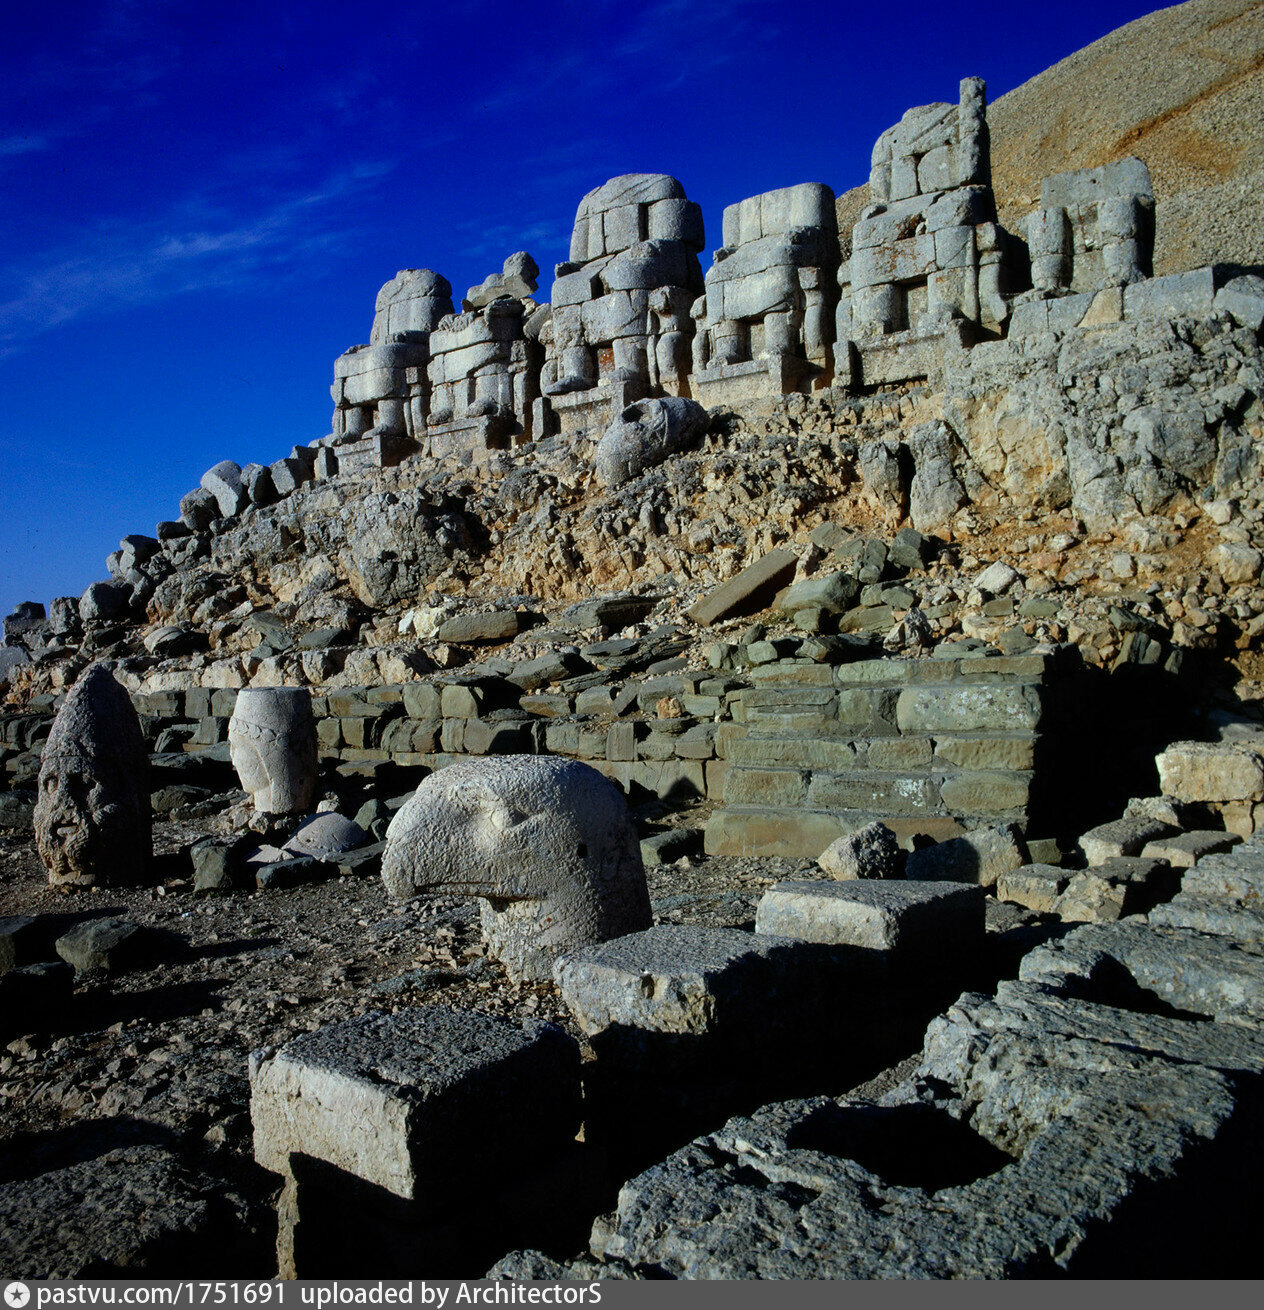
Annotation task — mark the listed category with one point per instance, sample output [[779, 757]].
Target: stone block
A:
[[751, 590], [978, 857], [422, 701], [1211, 771], [1036, 887], [985, 793], [873, 792], [1015, 753], [915, 919], [869, 852], [497, 625], [971, 708], [798, 752], [1177, 295], [1185, 849], [798, 834], [105, 946], [413, 1102], [1127, 836], [766, 787], [677, 979]]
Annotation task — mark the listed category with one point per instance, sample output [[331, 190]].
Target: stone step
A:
[[798, 834]]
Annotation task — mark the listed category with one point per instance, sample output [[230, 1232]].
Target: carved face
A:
[[86, 827]]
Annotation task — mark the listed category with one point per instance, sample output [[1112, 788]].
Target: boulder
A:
[[980, 857], [223, 481], [547, 842], [103, 945], [646, 434], [92, 820], [325, 837], [871, 852]]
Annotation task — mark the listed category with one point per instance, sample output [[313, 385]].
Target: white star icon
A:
[[16, 1295]]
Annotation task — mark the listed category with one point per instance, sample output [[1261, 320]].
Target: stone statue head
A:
[[92, 819], [272, 741]]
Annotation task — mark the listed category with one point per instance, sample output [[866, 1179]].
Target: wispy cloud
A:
[[196, 247]]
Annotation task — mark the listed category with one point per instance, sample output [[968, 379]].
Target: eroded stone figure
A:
[[272, 739], [92, 819], [548, 844]]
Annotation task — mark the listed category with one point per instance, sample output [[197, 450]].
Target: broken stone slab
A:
[[614, 612], [547, 842], [1078, 1113], [496, 625], [751, 590], [678, 979], [919, 920], [295, 871], [1035, 886], [670, 846], [1185, 849], [1121, 837], [1211, 771], [416, 1102], [870, 852], [363, 862], [217, 864], [105, 946], [223, 481], [135, 1212], [832, 593], [979, 857], [1186, 969]]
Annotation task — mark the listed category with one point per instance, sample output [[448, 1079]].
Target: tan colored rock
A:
[[1211, 771]]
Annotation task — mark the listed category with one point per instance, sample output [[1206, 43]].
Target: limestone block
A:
[[517, 279], [1176, 295], [619, 314], [647, 433], [915, 919], [1034, 886], [870, 852], [272, 739], [92, 817], [1091, 186], [937, 170], [1211, 771], [412, 1101], [978, 857], [223, 481], [102, 601], [676, 220], [1185, 849], [325, 837], [1243, 297], [496, 625], [971, 708], [547, 842], [1126, 836], [675, 979], [832, 592], [767, 291], [414, 300], [750, 590], [986, 792]]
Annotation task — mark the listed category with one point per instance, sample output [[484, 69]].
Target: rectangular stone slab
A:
[[881, 915], [760, 580], [413, 1101]]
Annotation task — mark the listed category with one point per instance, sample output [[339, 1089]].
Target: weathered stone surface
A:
[[325, 837], [1185, 849], [645, 434], [979, 857], [1035, 886], [497, 625], [223, 481], [1211, 771], [411, 1101], [750, 590], [1121, 837], [870, 852], [832, 592], [968, 709], [272, 736], [917, 919], [104, 945], [547, 842], [136, 1212], [673, 979], [92, 820]]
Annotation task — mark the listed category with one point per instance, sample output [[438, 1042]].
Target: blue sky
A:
[[199, 202]]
